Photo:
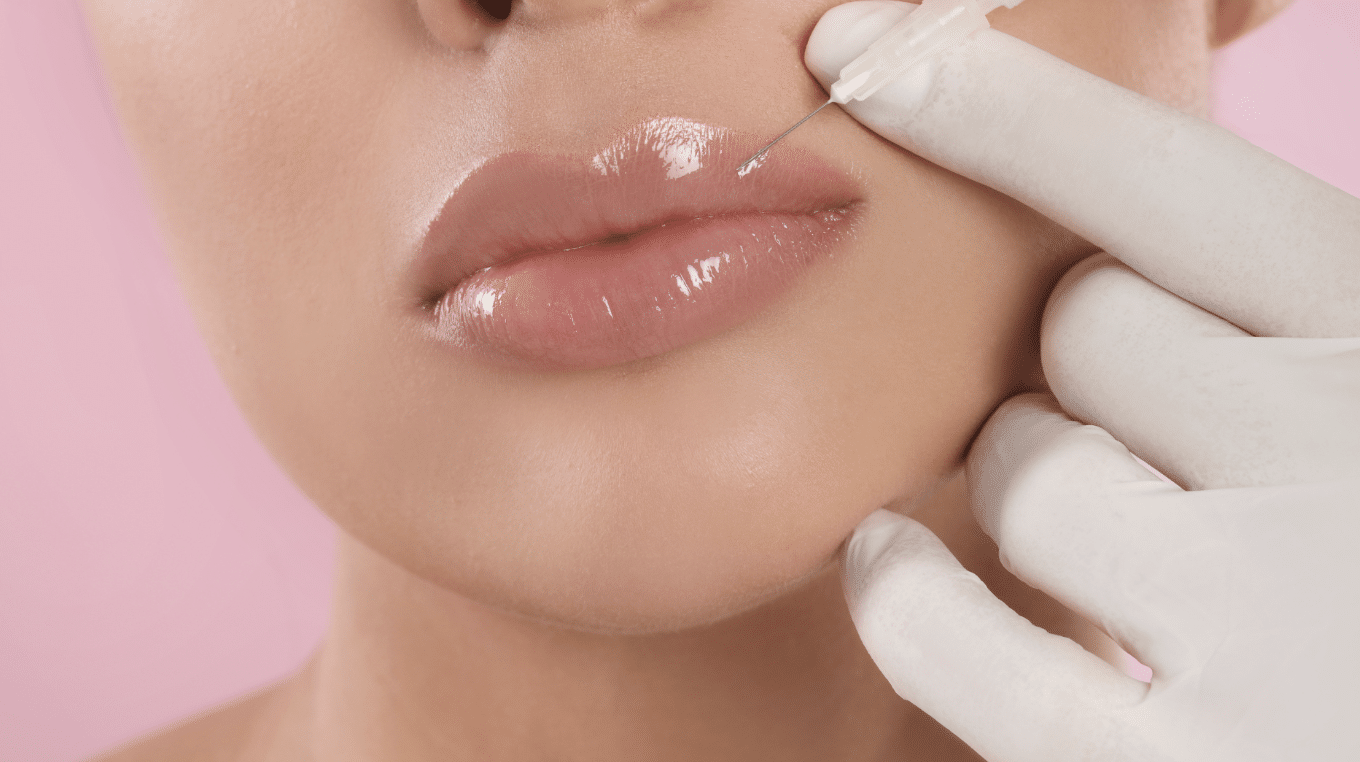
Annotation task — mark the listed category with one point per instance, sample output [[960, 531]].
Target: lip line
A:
[[627, 237]]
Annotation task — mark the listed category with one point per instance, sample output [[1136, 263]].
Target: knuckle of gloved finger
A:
[[1118, 734], [1309, 394], [1108, 718]]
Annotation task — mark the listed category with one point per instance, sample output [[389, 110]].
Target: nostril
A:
[[496, 9], [463, 25]]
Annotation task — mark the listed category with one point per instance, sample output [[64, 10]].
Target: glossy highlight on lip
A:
[[680, 144], [651, 243]]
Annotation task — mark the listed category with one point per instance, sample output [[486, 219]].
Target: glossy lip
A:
[[652, 243]]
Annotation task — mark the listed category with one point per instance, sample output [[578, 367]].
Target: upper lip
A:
[[662, 171]]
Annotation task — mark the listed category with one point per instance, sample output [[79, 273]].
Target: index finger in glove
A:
[[1187, 204]]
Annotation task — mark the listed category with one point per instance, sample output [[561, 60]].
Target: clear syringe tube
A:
[[935, 27], [931, 29]]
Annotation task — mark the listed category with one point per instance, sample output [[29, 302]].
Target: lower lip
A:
[[614, 302]]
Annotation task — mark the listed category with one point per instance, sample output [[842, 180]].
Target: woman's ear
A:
[[1233, 18]]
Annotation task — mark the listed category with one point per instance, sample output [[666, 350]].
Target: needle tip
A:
[[742, 170]]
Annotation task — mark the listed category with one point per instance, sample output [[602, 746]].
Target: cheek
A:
[[276, 141], [1159, 49], [258, 128]]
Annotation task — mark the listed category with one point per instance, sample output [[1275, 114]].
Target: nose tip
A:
[[465, 24], [457, 24]]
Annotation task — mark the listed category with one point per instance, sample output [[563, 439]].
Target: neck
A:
[[413, 671]]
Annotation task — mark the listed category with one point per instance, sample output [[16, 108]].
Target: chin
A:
[[630, 557]]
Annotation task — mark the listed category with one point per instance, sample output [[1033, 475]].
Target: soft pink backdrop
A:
[[153, 560]]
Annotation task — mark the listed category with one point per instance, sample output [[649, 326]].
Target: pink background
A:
[[153, 560]]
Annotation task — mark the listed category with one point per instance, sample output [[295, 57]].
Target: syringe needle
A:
[[933, 28], [742, 169]]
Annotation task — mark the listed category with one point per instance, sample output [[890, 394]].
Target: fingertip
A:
[[846, 31], [948, 645], [880, 518], [1031, 459], [1086, 268], [866, 546], [1022, 426]]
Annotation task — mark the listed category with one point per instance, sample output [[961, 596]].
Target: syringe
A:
[[931, 29]]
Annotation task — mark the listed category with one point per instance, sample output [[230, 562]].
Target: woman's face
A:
[[491, 431]]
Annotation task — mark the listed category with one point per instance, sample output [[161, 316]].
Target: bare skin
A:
[[684, 607], [788, 679]]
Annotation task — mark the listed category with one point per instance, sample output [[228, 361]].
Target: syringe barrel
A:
[[988, 6], [931, 29]]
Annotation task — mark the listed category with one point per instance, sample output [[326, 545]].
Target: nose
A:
[[465, 24], [457, 24]]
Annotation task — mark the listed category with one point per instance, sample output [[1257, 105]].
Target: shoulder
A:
[[230, 733]]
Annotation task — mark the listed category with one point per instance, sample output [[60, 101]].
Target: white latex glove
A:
[[1242, 590]]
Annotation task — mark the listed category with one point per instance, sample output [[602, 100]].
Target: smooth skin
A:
[[630, 563]]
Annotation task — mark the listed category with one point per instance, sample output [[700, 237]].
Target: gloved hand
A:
[[1217, 347]]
